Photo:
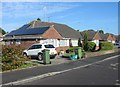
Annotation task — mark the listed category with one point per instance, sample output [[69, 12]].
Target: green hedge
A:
[[91, 46], [12, 58], [106, 46], [72, 49]]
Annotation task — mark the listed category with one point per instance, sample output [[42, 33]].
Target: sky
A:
[[78, 15]]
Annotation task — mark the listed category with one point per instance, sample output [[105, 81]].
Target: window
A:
[[18, 41], [38, 46], [32, 47], [49, 46], [63, 42], [35, 47]]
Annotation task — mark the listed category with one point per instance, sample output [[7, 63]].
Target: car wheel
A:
[[53, 57], [25, 55], [40, 56]]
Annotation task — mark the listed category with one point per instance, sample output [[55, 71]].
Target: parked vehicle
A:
[[36, 50], [117, 45]]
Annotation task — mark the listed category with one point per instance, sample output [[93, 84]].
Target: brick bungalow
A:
[[108, 37], [60, 35], [93, 36]]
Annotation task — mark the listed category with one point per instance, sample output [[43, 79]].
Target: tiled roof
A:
[[38, 27], [91, 34], [104, 36]]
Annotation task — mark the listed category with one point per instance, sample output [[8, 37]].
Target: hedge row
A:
[[12, 58], [106, 46]]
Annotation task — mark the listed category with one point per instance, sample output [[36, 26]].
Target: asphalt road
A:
[[86, 75], [102, 73]]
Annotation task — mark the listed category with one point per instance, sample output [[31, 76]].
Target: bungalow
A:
[[37, 31], [93, 36], [108, 37]]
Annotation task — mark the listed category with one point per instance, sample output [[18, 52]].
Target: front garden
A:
[[90, 47], [12, 57]]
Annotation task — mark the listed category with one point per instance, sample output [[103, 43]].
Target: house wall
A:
[[111, 39], [74, 42], [51, 33], [113, 42], [62, 44], [56, 42], [96, 42]]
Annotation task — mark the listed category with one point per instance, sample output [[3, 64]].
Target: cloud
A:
[[32, 9]]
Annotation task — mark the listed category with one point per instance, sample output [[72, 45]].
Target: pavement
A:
[[9, 77]]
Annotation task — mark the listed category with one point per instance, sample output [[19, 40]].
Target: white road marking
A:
[[117, 84], [114, 64], [55, 73], [117, 80]]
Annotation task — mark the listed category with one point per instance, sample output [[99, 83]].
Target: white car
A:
[[117, 45], [36, 50]]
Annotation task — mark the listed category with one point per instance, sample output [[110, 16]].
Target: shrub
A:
[[12, 57], [71, 49], [106, 46], [85, 41], [91, 46], [79, 42]]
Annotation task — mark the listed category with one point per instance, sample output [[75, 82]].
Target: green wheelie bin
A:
[[78, 52], [46, 57]]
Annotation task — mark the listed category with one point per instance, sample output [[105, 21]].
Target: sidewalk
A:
[[35, 71], [93, 54]]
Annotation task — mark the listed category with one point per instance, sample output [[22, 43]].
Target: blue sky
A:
[[78, 15]]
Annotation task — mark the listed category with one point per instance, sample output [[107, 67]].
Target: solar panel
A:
[[24, 31]]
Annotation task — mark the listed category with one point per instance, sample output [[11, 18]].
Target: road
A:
[[92, 71], [99, 73]]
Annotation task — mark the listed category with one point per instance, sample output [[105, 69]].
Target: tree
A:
[[101, 31], [39, 19], [85, 41], [70, 43], [2, 31], [79, 42]]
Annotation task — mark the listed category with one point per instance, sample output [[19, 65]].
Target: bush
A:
[[91, 46], [71, 49], [12, 57], [106, 46]]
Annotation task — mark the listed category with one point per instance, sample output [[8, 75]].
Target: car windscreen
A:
[[49, 46], [36, 47]]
